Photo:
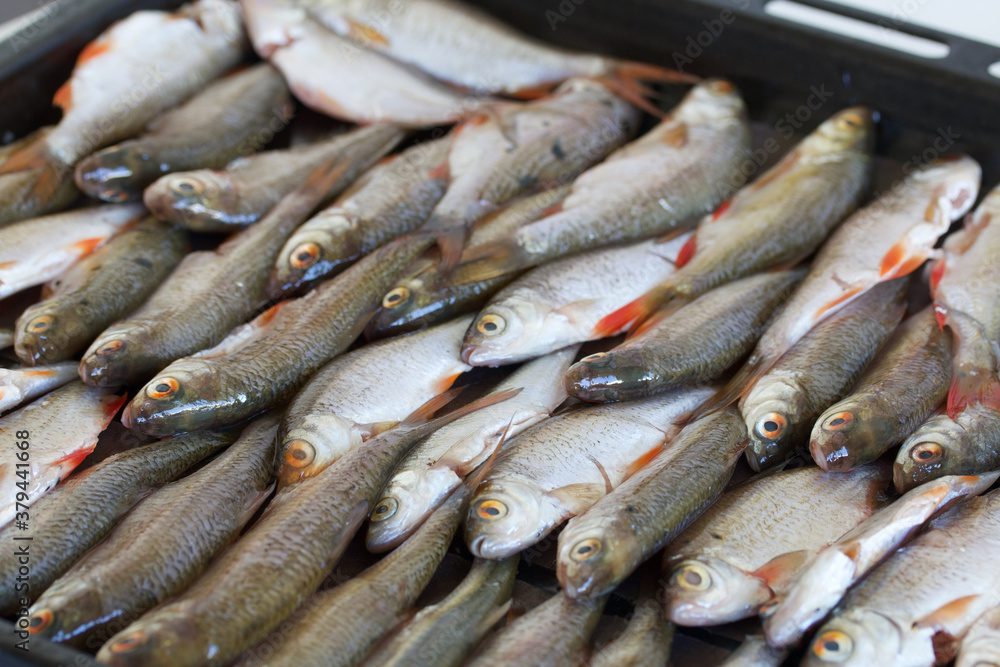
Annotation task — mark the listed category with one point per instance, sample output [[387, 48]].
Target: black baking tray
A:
[[777, 64]]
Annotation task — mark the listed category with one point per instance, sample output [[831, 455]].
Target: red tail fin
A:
[[968, 390]]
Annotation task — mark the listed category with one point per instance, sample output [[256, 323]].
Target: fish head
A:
[[845, 432], [120, 356], [849, 131], [504, 333], [712, 100], [117, 174], [410, 304], [152, 642], [315, 252], [65, 613], [859, 638], [313, 444], [775, 428], [42, 334], [406, 502], [173, 401], [201, 200], [506, 517], [709, 591], [619, 375], [595, 555], [928, 454]]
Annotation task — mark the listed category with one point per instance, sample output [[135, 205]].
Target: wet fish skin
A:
[[783, 405], [756, 652], [694, 344], [78, 513], [392, 199], [900, 390], [966, 445], [276, 565], [564, 465], [35, 251], [341, 625], [744, 549], [599, 549], [444, 634], [248, 371], [98, 290], [219, 123], [887, 619], [351, 398], [437, 465], [645, 642], [209, 293], [22, 384], [555, 632], [62, 428], [981, 646], [822, 584], [153, 553]]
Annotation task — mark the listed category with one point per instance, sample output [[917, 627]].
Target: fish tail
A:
[[968, 389], [491, 260], [633, 92], [737, 387], [50, 173], [635, 312], [630, 70]]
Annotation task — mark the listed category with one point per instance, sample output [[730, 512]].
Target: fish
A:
[[98, 290], [981, 645], [141, 66], [645, 641], [818, 587], [496, 58], [445, 633], [684, 167], [35, 251], [425, 296], [555, 632], [34, 190], [696, 343], [603, 546], [6, 337], [18, 385], [392, 199], [210, 292], [506, 152], [45, 440], [914, 608], [438, 465], [776, 221], [966, 445], [963, 285], [232, 116], [338, 78], [897, 393], [889, 238], [339, 626], [564, 465], [153, 552], [747, 547], [77, 514], [821, 369], [558, 304], [279, 562], [756, 652], [351, 398], [266, 361]]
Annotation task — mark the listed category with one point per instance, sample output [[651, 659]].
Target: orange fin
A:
[[64, 96], [86, 246], [628, 70], [780, 570], [687, 251], [365, 34], [632, 92], [941, 316], [948, 614], [937, 273], [74, 458], [853, 552], [35, 155], [738, 387], [826, 308], [445, 383], [427, 410], [442, 172], [532, 92], [719, 212], [430, 407], [636, 312], [902, 259], [642, 461], [968, 390], [677, 136], [111, 406], [94, 49]]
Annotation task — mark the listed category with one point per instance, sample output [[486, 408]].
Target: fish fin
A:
[[779, 170], [943, 616], [578, 498], [687, 251], [442, 172], [551, 210], [737, 387], [494, 617], [633, 92], [650, 322], [253, 503], [780, 570], [431, 406], [901, 260], [844, 297], [608, 486], [635, 312], [427, 410], [941, 316], [364, 34], [490, 260], [532, 92], [111, 406], [676, 136], [937, 273], [96, 48], [721, 211], [853, 552], [86, 246], [371, 429], [74, 458], [444, 384], [63, 97], [473, 481], [967, 389], [7, 265], [642, 461]]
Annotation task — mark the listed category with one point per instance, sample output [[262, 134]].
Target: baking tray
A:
[[792, 77]]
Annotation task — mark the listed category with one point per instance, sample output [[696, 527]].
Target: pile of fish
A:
[[651, 318]]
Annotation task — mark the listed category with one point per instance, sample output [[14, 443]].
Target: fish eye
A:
[[186, 187], [304, 256], [693, 577], [597, 356], [385, 509], [129, 642], [491, 325], [585, 549], [109, 347], [771, 426], [849, 121], [491, 509], [396, 298], [927, 452], [41, 324], [299, 453], [833, 646], [162, 388], [40, 621], [838, 421]]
